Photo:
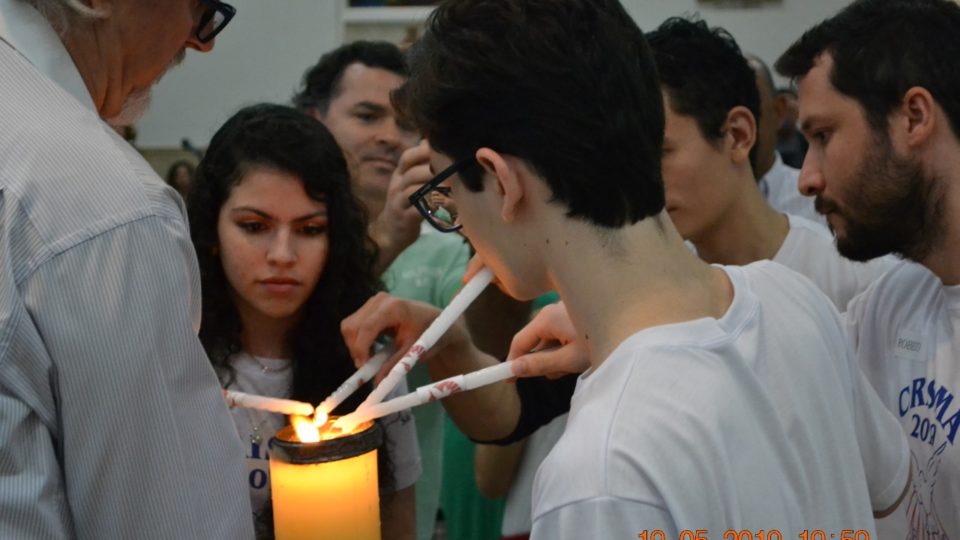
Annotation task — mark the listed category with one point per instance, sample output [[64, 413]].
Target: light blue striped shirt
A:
[[112, 424]]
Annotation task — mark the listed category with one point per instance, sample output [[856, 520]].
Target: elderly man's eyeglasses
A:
[[214, 19], [434, 202]]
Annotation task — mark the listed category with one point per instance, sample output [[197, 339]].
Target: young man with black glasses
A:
[[696, 411]]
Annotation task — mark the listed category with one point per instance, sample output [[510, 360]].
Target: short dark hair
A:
[[568, 86], [881, 49], [321, 83], [704, 72]]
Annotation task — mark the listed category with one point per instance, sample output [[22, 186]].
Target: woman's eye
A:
[[251, 226], [313, 230]]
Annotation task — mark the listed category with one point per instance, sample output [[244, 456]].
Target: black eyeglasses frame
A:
[[214, 7], [419, 197]]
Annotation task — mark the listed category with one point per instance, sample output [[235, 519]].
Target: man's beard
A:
[[137, 103], [133, 108], [892, 206]]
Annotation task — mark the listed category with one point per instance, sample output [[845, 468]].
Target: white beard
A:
[[137, 103], [132, 110]]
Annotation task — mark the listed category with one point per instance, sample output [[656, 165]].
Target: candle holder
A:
[[326, 490]]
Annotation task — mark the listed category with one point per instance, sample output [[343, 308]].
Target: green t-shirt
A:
[[431, 271]]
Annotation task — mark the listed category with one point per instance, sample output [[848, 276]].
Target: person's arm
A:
[[398, 225], [145, 442], [496, 466], [398, 516], [610, 518], [883, 444]]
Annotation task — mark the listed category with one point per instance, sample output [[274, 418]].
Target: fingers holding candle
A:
[[405, 320], [549, 345], [431, 335], [383, 314]]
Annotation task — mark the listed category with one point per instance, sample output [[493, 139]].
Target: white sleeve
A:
[[609, 518], [146, 446], [884, 448], [400, 437], [883, 444]]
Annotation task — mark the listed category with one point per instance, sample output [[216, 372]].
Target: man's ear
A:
[[918, 116], [741, 133], [504, 172]]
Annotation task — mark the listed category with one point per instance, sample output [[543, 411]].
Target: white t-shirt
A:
[[809, 250], [256, 428], [780, 186], [516, 510], [905, 331], [758, 420]]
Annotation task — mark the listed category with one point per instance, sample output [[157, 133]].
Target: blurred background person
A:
[[180, 176]]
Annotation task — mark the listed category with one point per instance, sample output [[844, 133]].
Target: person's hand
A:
[[403, 320], [398, 224], [549, 345]]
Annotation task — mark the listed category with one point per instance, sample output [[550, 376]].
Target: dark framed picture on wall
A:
[[738, 3], [391, 3]]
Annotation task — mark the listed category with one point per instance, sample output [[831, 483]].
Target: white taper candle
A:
[[362, 375], [277, 405], [441, 324], [426, 394]]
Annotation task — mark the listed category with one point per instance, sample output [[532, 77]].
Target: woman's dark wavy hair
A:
[[282, 138]]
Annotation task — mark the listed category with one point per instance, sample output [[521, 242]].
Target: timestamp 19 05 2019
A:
[[770, 534]]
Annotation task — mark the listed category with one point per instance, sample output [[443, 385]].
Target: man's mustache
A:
[[825, 206]]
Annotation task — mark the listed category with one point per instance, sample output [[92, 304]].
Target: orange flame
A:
[[306, 430]]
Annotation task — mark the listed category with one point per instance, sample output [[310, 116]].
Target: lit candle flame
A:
[[306, 430]]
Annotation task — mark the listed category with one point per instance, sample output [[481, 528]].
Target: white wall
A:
[[260, 56], [765, 31], [268, 45]]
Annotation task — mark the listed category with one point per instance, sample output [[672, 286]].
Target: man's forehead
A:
[[364, 83], [816, 95]]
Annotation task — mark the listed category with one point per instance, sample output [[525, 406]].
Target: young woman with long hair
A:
[[284, 257]]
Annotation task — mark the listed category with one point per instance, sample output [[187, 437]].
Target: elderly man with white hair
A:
[[112, 424]]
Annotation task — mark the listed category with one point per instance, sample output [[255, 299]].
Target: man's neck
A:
[[765, 165], [83, 43], [616, 283], [944, 260], [749, 230], [262, 335]]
